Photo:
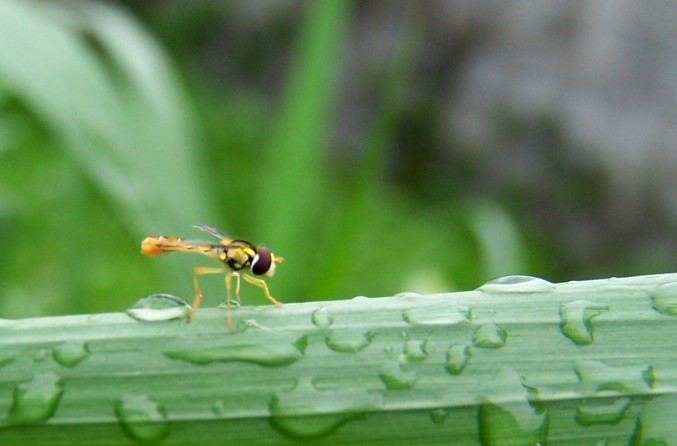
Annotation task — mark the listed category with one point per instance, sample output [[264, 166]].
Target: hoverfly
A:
[[236, 255]]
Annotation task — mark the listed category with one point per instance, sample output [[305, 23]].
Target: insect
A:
[[237, 256]]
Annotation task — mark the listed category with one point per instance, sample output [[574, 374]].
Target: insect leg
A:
[[229, 276], [199, 270], [261, 284]]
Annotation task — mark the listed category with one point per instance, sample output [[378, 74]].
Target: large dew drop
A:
[[517, 284], [36, 400], [576, 319], [159, 307], [142, 419]]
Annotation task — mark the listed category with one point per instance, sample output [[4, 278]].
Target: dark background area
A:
[[379, 146]]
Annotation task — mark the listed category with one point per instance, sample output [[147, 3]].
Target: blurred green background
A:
[[379, 147]]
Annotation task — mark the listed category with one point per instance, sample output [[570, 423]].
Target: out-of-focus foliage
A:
[[100, 146]]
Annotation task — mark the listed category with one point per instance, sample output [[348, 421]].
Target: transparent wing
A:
[[225, 238]]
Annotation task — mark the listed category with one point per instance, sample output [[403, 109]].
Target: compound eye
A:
[[263, 264]]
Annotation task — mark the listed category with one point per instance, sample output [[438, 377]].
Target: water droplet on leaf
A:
[[489, 335], [656, 423], [664, 299], [439, 415], [407, 294], [36, 400], [516, 284], [218, 408], [307, 413], [415, 351], [142, 419], [395, 378], [612, 413], [322, 318], [349, 341], [271, 355], [42, 354], [457, 358], [599, 376], [70, 353], [441, 314], [6, 361], [514, 419], [499, 423], [576, 319], [159, 307]]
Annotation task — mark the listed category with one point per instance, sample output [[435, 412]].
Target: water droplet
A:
[[159, 307], [576, 319], [218, 408], [142, 419], [498, 424], [516, 284], [273, 355], [599, 376], [42, 354], [388, 348], [656, 423], [441, 314], [415, 351], [489, 335], [439, 415], [36, 400], [457, 358], [664, 299], [407, 294], [360, 298], [224, 304], [322, 318], [70, 353], [349, 341], [306, 413], [395, 378], [588, 414], [514, 419], [6, 361]]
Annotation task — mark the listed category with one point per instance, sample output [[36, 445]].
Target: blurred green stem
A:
[[365, 187], [294, 163]]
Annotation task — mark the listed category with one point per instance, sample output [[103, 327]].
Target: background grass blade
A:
[[366, 183], [132, 142], [295, 155]]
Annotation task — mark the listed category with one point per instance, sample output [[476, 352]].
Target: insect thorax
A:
[[238, 254]]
